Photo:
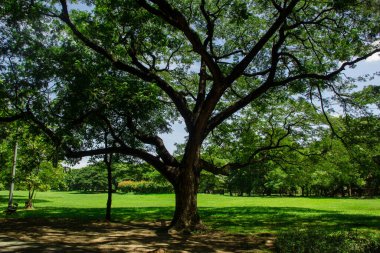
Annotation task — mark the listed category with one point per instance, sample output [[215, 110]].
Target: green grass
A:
[[232, 214]]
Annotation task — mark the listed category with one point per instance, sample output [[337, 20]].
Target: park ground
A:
[[74, 222]]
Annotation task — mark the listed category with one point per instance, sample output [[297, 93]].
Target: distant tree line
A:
[[331, 167], [126, 177]]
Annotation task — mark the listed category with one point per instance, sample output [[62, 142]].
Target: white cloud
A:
[[373, 58]]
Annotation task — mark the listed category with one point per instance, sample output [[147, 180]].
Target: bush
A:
[[317, 241], [144, 187]]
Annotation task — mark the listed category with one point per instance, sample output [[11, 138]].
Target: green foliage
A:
[[318, 241], [36, 165], [144, 187], [90, 178], [298, 154], [276, 180], [211, 183], [142, 178]]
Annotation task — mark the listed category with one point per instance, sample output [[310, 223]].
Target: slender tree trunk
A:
[[109, 196], [29, 202], [108, 163], [11, 188]]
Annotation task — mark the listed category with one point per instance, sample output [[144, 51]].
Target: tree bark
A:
[[12, 184], [109, 196], [186, 217], [29, 202], [108, 163]]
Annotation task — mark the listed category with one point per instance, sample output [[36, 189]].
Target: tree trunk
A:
[[29, 202], [186, 217], [186, 183], [12, 184], [109, 197], [108, 163]]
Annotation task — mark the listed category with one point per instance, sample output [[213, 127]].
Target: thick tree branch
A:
[[144, 74], [224, 170], [328, 76], [260, 73], [175, 18], [223, 115], [169, 172], [271, 72], [156, 141], [50, 133], [210, 27], [9, 119], [239, 69], [201, 89]]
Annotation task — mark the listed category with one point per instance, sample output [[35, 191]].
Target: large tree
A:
[[135, 66]]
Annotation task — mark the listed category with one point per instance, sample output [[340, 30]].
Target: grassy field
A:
[[231, 214]]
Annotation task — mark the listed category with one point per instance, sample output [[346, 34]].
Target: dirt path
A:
[[70, 236]]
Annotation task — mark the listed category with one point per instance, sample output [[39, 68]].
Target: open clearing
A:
[[72, 222]]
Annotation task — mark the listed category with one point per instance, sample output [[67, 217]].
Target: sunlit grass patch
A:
[[231, 214]]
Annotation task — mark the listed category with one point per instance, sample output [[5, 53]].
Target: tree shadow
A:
[[21, 199], [61, 235], [231, 219], [88, 192], [278, 219]]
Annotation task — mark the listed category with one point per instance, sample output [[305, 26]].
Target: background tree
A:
[[135, 66], [35, 166]]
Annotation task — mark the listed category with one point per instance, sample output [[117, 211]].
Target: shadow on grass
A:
[[20, 199], [277, 219], [231, 219], [89, 192]]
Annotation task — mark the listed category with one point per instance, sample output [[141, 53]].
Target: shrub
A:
[[318, 241], [144, 187]]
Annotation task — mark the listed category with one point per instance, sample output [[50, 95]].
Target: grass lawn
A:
[[231, 214]]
